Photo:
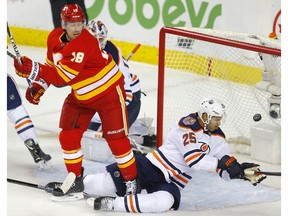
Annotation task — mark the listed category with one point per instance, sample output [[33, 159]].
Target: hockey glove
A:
[[51, 186], [39, 89], [231, 165], [249, 173], [28, 69]]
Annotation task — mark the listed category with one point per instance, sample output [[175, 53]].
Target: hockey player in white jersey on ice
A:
[[196, 141], [24, 127]]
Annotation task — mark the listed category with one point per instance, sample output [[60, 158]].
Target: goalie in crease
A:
[[195, 142]]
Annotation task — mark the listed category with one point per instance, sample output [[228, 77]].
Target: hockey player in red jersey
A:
[[132, 82], [76, 59], [195, 142], [132, 87]]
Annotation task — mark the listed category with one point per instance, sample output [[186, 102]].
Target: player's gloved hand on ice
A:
[[249, 173], [231, 165], [51, 186], [28, 69], [39, 88]]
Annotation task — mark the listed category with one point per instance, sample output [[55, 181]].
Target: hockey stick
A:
[[69, 180], [98, 135], [10, 54], [18, 56], [133, 52], [262, 173], [41, 187]]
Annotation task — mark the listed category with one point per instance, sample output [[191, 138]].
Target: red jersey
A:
[[83, 65], [55, 42]]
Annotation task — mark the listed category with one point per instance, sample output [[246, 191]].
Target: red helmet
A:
[[72, 13]]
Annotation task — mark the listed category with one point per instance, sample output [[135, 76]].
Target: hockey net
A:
[[197, 63]]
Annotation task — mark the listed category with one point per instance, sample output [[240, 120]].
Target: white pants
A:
[[101, 184]]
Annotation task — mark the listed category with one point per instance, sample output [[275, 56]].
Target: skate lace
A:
[[107, 203], [131, 187]]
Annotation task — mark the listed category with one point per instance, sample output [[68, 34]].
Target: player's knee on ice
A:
[[99, 184]]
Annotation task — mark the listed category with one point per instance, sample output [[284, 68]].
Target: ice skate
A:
[[36, 152], [53, 186], [101, 203], [133, 187], [71, 189]]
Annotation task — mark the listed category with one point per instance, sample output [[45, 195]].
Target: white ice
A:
[[205, 195]]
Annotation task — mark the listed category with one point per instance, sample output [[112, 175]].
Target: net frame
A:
[[196, 34]]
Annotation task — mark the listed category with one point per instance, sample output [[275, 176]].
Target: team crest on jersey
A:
[[205, 147], [189, 120], [116, 174], [12, 97]]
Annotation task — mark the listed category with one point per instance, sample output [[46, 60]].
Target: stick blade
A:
[[69, 180]]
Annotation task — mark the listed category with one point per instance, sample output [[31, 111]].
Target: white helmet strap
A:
[[205, 123]]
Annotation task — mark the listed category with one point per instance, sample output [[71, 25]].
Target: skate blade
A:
[[68, 197]]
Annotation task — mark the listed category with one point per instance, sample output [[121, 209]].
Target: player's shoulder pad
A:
[[110, 46], [54, 36], [112, 50], [190, 121], [56, 32]]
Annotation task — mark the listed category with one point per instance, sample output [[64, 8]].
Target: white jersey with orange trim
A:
[[187, 147], [135, 83]]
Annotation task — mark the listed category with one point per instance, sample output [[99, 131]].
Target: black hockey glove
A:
[[231, 165], [51, 186], [249, 173]]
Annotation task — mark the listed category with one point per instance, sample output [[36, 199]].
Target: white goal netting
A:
[[240, 69]]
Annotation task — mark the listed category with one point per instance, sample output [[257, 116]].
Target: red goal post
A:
[[226, 65]]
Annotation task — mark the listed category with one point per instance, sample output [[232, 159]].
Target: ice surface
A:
[[205, 195]]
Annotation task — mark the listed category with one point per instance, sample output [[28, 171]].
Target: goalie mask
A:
[[213, 108], [98, 30]]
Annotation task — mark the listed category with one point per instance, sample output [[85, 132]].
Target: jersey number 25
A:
[[189, 138]]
